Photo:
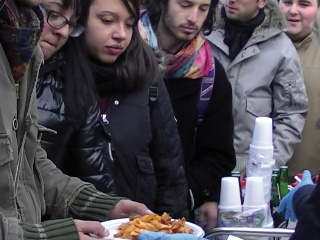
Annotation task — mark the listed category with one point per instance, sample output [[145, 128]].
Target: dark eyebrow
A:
[[114, 14]]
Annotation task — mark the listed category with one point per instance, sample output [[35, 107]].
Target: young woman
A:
[[66, 102], [300, 15], [145, 149]]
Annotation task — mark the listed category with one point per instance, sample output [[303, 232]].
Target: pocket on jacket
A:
[[259, 107], [5, 149], [146, 191], [145, 164], [293, 92]]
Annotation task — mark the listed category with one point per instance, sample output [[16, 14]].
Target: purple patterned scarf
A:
[[20, 30]]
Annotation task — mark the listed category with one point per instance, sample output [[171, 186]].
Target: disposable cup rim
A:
[[254, 206], [237, 208]]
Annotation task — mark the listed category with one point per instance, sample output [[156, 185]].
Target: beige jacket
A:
[[307, 154]]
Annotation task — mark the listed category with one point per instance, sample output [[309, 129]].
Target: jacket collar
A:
[[305, 42], [273, 24]]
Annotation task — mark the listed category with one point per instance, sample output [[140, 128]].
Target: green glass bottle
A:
[[284, 181], [277, 171], [275, 198]]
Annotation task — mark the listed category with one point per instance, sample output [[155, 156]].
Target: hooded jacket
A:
[[267, 81], [39, 189]]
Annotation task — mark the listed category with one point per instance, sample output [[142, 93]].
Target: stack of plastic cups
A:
[[260, 159], [254, 197], [229, 204], [230, 200], [254, 204]]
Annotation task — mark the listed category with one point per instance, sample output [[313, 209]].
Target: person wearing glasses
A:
[[32, 188], [67, 108]]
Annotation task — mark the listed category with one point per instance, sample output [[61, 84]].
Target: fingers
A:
[[135, 207], [91, 227], [125, 208], [293, 217], [288, 213], [208, 215], [201, 218], [211, 223], [283, 204], [306, 177], [207, 221]]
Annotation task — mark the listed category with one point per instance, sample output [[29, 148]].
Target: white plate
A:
[[112, 226]]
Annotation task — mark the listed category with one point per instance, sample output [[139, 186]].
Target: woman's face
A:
[[299, 15], [52, 39], [108, 30]]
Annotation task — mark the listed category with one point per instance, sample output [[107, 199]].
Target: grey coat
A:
[[266, 80]]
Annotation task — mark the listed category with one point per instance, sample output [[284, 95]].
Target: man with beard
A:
[[263, 68], [31, 186], [200, 95]]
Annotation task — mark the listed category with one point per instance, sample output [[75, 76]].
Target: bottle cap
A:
[[299, 175]]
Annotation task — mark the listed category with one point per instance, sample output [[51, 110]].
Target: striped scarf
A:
[[193, 61], [20, 30]]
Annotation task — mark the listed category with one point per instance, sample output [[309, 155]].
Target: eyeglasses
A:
[[58, 21]]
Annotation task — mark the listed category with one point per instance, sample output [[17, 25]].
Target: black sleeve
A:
[[172, 191], [306, 203], [214, 154]]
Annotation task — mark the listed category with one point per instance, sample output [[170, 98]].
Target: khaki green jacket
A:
[[40, 188]]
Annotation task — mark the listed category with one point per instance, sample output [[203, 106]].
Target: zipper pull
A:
[[110, 151], [17, 90], [104, 118], [290, 95]]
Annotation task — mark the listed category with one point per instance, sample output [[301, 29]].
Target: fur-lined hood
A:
[[274, 20]]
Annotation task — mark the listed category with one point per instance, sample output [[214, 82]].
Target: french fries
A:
[[151, 222]]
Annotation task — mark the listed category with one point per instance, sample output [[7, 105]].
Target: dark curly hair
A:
[[154, 11]]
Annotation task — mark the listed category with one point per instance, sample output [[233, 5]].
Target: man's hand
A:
[[208, 215], [125, 208], [286, 202], [89, 227]]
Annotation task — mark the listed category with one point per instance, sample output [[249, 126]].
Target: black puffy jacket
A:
[[148, 159], [80, 150]]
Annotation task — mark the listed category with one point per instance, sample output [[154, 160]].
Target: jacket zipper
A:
[[105, 120], [290, 95]]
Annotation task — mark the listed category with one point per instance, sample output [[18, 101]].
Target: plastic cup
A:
[[230, 195], [254, 197], [262, 134]]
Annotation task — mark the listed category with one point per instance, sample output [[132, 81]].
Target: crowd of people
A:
[[118, 107]]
